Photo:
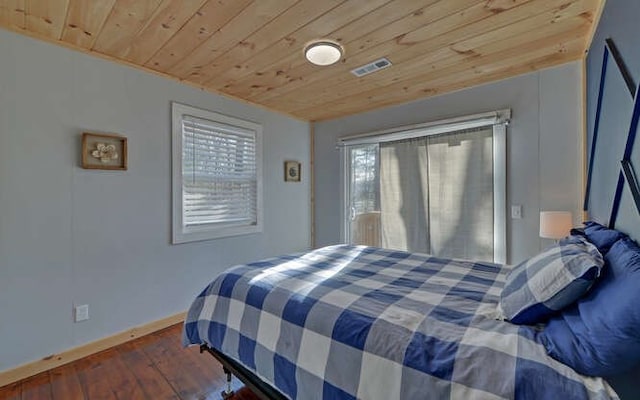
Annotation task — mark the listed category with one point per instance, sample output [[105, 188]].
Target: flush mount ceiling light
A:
[[323, 52]]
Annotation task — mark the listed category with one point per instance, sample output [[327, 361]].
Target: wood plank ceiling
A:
[[253, 49]]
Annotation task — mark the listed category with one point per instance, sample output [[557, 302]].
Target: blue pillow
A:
[[599, 235], [543, 285], [600, 334]]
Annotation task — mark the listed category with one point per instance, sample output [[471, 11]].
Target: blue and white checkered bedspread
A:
[[347, 322]]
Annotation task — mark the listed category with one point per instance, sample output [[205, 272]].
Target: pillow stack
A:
[[600, 334], [593, 312]]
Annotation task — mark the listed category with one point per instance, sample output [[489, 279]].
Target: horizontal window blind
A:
[[219, 174]]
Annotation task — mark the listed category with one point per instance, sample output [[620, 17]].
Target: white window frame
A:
[[180, 233], [498, 119]]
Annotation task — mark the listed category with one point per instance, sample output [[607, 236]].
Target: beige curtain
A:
[[436, 194], [404, 195]]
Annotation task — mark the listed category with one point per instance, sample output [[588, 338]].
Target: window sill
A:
[[202, 234]]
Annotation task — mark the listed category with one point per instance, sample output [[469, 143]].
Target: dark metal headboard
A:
[[627, 384], [627, 172]]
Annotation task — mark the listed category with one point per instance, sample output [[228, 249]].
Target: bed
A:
[[347, 322]]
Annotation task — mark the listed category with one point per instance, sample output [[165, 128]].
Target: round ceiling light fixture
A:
[[323, 52]]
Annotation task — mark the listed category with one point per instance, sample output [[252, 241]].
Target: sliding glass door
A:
[[432, 192]]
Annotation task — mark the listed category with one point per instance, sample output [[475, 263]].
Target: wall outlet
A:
[[81, 313], [516, 211]]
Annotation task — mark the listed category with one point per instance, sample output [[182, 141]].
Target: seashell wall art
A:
[[104, 151]]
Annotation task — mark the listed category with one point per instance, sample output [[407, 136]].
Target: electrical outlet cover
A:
[[82, 313]]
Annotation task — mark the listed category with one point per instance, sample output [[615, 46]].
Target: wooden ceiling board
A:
[[126, 19], [253, 49], [469, 78], [404, 12], [289, 21], [85, 19], [446, 69], [482, 70], [359, 50], [294, 67], [46, 17], [436, 59], [442, 29], [289, 46], [413, 66], [166, 21], [200, 27], [258, 13], [203, 24], [12, 13]]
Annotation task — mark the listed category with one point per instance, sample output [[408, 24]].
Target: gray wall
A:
[[72, 236], [544, 148], [619, 21]]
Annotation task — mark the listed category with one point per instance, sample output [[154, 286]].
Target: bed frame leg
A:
[[228, 393]]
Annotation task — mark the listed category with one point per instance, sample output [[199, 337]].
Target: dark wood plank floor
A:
[[154, 367]]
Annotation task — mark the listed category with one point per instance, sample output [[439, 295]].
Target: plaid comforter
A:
[[347, 322]]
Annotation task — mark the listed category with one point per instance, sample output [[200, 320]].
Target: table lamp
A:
[[555, 224]]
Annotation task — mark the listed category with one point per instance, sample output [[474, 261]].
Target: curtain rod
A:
[[428, 128]]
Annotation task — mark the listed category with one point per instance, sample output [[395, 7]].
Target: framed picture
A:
[[104, 151], [292, 171]]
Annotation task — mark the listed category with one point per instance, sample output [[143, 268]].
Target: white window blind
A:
[[219, 176]]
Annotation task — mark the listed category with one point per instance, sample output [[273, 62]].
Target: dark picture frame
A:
[[104, 151], [292, 171]]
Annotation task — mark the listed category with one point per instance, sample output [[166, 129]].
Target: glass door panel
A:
[[363, 212]]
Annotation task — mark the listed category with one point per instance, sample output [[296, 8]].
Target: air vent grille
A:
[[374, 66]]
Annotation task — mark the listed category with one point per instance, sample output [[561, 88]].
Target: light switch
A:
[[516, 211]]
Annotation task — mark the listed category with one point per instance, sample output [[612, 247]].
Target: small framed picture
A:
[[292, 171], [104, 151]]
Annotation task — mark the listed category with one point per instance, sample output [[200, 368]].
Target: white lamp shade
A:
[[323, 53], [555, 224]]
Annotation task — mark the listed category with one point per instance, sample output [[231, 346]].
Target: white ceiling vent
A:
[[374, 66]]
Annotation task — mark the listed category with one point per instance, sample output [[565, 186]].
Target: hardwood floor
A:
[[155, 367]]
